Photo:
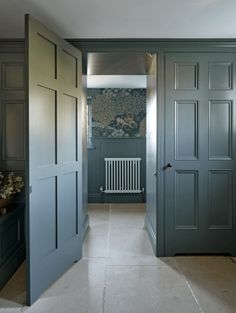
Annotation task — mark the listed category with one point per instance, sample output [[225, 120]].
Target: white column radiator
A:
[[122, 175]]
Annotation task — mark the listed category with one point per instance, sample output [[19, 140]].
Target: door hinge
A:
[[30, 189]]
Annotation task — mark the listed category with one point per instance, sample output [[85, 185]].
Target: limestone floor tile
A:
[[130, 246], [66, 303], [127, 218], [85, 277], [98, 213], [139, 289], [7, 306], [213, 281], [79, 290], [98, 206], [141, 207], [96, 241]]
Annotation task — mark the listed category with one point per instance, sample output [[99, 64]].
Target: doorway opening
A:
[[122, 108]]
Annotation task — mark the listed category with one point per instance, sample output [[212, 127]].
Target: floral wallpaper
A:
[[118, 112]]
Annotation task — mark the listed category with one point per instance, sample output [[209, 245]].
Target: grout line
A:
[[108, 252], [109, 230], [190, 288], [104, 290], [96, 257]]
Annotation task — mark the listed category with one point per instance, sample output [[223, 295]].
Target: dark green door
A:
[[200, 136], [54, 157], [151, 147]]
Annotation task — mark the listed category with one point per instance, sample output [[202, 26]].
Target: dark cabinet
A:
[[12, 242]]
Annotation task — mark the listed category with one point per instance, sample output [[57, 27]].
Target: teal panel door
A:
[[151, 148], [200, 136], [54, 232]]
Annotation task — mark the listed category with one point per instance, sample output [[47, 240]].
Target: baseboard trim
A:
[[116, 198], [151, 234], [85, 225]]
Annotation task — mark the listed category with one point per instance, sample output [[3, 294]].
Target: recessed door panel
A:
[[186, 76], [45, 108], [46, 208], [69, 128], [69, 66], [220, 199], [220, 75], [47, 56], [13, 76], [186, 199], [186, 130], [69, 208], [14, 132], [220, 129]]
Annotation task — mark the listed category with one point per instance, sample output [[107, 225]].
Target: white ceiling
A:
[[123, 18]]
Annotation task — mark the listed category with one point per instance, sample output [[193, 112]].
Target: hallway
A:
[[120, 274]]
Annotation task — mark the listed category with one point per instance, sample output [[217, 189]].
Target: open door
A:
[[151, 151], [54, 239]]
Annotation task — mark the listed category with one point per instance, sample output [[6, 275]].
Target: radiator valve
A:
[[101, 189]]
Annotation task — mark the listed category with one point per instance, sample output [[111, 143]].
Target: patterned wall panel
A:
[[118, 112]]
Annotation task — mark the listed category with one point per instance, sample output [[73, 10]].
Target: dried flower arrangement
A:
[[10, 184]]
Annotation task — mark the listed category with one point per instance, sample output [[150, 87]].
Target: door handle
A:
[[154, 173], [168, 165]]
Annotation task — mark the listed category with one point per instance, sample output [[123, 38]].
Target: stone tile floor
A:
[[119, 273]]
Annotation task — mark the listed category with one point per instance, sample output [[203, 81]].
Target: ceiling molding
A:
[[149, 45]]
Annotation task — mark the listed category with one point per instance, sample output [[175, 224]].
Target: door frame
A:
[[160, 47]]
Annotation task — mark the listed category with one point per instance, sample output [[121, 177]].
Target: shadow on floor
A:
[[14, 292]]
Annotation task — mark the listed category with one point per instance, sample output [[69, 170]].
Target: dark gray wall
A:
[[12, 151], [113, 147]]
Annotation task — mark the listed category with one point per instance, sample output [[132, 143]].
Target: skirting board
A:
[[85, 225], [115, 198], [151, 234]]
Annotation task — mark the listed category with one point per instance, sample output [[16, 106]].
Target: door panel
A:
[[186, 145], [220, 199], [199, 147], [55, 90], [186, 210], [220, 129], [151, 146]]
